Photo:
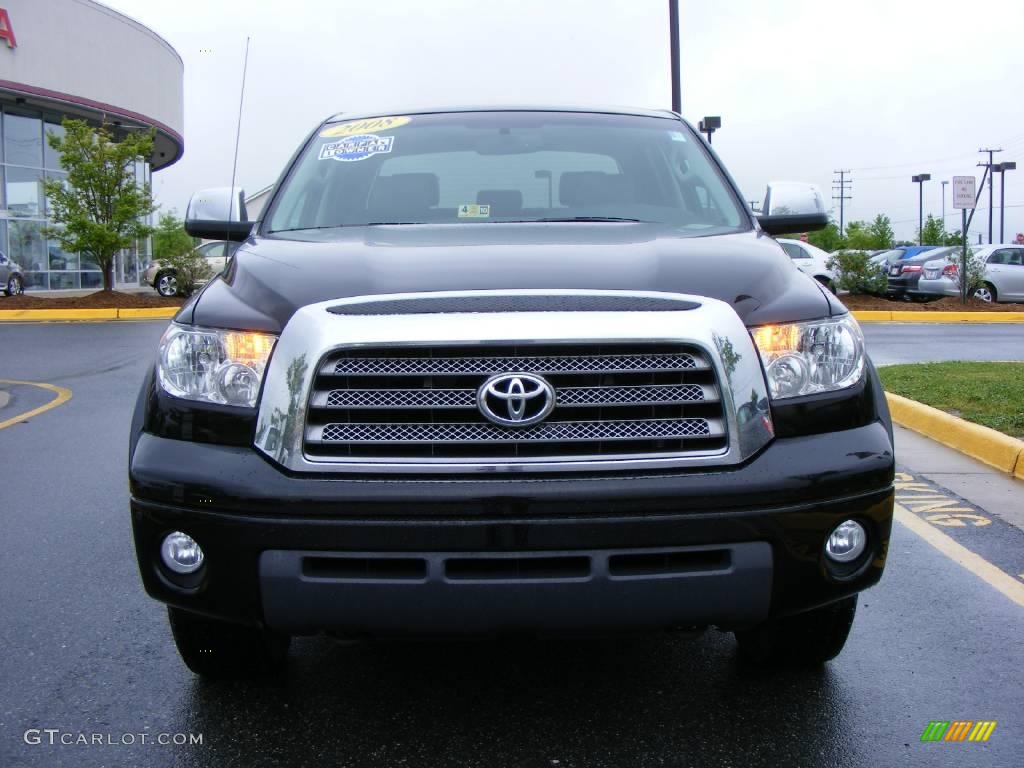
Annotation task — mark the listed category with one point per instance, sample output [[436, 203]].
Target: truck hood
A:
[[270, 278]]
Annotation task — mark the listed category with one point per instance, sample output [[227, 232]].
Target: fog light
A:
[[181, 553], [846, 543]]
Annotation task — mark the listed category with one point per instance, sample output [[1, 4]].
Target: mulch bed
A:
[[98, 300], [946, 304], [118, 300]]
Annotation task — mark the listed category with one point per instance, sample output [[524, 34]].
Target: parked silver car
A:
[[165, 281], [11, 278], [1004, 274]]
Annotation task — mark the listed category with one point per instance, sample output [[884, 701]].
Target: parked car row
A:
[[1003, 274]]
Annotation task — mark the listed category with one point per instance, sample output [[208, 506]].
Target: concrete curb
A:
[[153, 313], [897, 316], [28, 315], [1001, 451]]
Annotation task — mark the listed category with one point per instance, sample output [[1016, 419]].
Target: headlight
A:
[[805, 358], [214, 366]]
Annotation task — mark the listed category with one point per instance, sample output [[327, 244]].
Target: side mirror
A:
[[218, 213], [792, 206]]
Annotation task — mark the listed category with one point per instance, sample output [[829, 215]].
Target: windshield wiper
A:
[[341, 226], [586, 218]]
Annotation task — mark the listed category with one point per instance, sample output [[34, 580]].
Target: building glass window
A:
[[28, 248], [23, 140], [24, 191], [51, 158]]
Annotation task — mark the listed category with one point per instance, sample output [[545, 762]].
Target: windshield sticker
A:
[[677, 136], [474, 211], [356, 127], [356, 147]]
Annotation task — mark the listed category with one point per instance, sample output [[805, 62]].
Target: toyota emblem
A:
[[515, 399]]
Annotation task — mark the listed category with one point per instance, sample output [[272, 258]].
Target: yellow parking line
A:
[[962, 556], [62, 396]]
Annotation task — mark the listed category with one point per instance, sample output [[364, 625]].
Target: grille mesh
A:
[[612, 401], [432, 366], [548, 432]]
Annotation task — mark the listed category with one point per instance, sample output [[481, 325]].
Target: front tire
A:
[[167, 284], [219, 649], [805, 639], [15, 286], [987, 292]]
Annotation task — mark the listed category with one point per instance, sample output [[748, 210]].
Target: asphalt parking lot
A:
[[86, 652]]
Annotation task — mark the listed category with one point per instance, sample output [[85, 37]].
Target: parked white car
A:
[[810, 260], [1004, 274]]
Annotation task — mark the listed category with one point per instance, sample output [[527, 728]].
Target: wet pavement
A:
[[88, 654]]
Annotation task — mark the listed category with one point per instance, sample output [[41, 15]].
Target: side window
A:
[[213, 250], [795, 251], [3, 259], [999, 257], [1016, 257]]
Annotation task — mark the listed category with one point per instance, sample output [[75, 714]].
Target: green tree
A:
[[882, 235], [859, 237], [170, 238], [101, 209], [828, 239], [933, 232]]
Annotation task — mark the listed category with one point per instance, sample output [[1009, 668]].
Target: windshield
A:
[[486, 167]]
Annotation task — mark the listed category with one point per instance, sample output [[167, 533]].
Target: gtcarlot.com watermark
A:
[[55, 736]]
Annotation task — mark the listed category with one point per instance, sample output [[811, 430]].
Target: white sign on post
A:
[[964, 191]]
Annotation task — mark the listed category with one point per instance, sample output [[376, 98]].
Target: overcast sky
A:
[[885, 88]]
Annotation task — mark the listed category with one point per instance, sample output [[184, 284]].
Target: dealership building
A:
[[79, 59]]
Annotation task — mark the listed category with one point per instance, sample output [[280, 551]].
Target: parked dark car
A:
[[905, 271], [435, 392]]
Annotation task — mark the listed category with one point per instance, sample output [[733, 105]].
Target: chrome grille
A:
[[420, 404], [492, 433]]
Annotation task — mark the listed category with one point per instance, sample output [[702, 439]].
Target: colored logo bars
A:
[[958, 730]]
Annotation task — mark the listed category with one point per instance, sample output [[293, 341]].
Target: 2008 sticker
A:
[[369, 125], [356, 147]]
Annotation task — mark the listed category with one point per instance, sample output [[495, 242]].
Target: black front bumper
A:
[[727, 546]]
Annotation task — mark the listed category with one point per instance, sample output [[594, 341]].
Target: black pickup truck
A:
[[509, 370]]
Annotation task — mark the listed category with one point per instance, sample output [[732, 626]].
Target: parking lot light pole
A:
[[920, 179], [944, 183], [1003, 168], [709, 125]]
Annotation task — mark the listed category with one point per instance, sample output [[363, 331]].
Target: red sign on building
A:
[[7, 29]]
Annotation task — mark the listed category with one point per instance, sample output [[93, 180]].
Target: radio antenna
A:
[[238, 131]]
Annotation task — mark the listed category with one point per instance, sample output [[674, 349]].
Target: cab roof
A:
[[664, 113]]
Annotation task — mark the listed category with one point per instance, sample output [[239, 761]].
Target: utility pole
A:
[[844, 185], [944, 205], [991, 183], [673, 43]]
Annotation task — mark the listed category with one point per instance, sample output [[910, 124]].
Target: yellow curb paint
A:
[[58, 314], [62, 396], [147, 312], [872, 315], [962, 556], [958, 317], [994, 448]]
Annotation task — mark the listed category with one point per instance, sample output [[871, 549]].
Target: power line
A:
[[845, 185]]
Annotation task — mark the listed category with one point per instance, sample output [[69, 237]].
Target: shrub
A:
[[189, 269], [975, 270], [856, 274]]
